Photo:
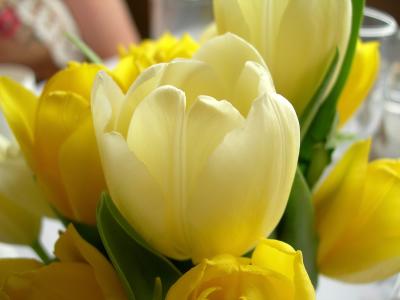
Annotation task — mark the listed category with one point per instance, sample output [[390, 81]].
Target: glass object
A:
[[388, 139], [381, 27], [180, 16]]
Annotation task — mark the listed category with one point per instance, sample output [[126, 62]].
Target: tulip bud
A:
[[297, 39], [275, 271], [200, 155], [81, 272], [363, 73], [358, 218]]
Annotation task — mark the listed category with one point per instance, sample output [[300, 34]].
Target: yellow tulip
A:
[[196, 175], [56, 135], [364, 70], [358, 218], [137, 58], [275, 271], [22, 205], [297, 39], [82, 273]]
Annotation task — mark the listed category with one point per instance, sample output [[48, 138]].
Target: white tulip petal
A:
[[146, 82], [155, 133], [106, 89], [195, 78], [208, 121], [253, 81], [22, 204], [230, 17], [309, 34], [246, 181], [155, 136], [136, 194], [227, 54], [102, 106]]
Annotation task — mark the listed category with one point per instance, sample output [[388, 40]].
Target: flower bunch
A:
[[174, 170]]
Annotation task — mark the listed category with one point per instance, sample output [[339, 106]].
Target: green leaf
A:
[[84, 48], [317, 100], [136, 263], [297, 225], [324, 122]]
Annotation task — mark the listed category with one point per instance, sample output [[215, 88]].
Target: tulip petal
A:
[[282, 258], [344, 182], [208, 121], [143, 85], [71, 247], [11, 266], [241, 180], [81, 172], [134, 191], [230, 20], [106, 87], [19, 107], [253, 81], [126, 72], [57, 281], [155, 136], [194, 78], [363, 73], [77, 79], [21, 203], [369, 250], [308, 36], [64, 111], [228, 54]]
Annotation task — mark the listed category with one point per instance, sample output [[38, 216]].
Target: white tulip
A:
[[200, 155]]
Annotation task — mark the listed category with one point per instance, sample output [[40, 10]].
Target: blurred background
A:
[[33, 46]]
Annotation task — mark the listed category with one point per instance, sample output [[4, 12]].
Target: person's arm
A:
[[103, 24]]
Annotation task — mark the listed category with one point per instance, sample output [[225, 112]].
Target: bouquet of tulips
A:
[[197, 170]]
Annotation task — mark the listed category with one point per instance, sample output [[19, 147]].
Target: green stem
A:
[[84, 48], [40, 251]]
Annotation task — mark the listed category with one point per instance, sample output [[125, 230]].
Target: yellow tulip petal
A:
[[77, 79], [369, 250], [19, 107], [229, 277], [12, 266], [282, 258], [363, 73], [331, 199], [64, 111], [72, 248], [242, 195], [81, 172], [227, 54], [126, 72], [62, 281]]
